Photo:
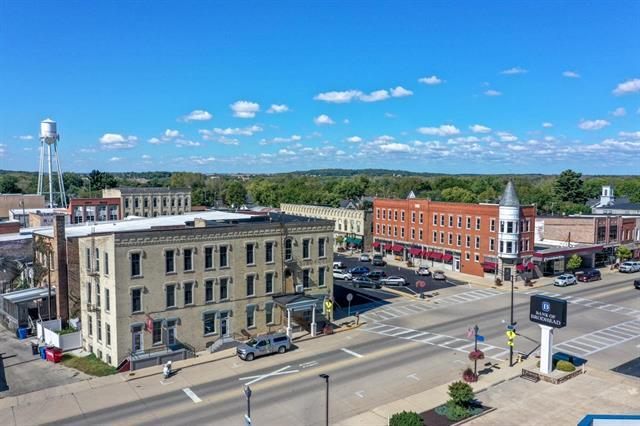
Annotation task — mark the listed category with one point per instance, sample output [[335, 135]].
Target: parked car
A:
[[378, 260], [339, 265], [424, 271], [393, 280], [591, 275], [341, 275], [359, 270], [363, 281], [636, 284], [264, 345], [377, 275], [364, 257], [565, 280], [439, 275], [630, 266]]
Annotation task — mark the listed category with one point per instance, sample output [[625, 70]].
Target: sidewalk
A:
[[434, 397]]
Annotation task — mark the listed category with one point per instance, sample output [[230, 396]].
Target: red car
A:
[[592, 275]]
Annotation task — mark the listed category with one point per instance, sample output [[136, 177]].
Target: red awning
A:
[[447, 257], [388, 246], [415, 251], [397, 248], [376, 244], [520, 268], [490, 265], [531, 266], [435, 255]]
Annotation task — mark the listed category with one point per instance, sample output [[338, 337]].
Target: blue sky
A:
[[457, 87]]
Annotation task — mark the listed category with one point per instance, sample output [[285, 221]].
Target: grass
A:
[[88, 364]]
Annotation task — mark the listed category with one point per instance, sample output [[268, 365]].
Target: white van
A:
[[339, 266]]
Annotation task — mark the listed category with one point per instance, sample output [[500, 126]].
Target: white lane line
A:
[[259, 377], [360, 394], [602, 340], [451, 341], [414, 377], [192, 395], [619, 308], [592, 344], [402, 332], [352, 353], [435, 337], [415, 335]]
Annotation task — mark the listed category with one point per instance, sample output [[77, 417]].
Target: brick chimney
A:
[[60, 250]]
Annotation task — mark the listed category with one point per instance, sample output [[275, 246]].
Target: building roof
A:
[[146, 190], [28, 294], [510, 197], [38, 211], [621, 206]]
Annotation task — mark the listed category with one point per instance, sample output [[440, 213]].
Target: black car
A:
[[378, 260], [376, 275], [591, 275], [365, 282], [636, 284]]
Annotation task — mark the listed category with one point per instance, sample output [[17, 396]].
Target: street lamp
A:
[[247, 393], [326, 379]]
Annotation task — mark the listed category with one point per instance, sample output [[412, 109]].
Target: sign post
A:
[[349, 299], [421, 284], [549, 313]]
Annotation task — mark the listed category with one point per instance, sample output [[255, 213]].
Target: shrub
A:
[[456, 412], [476, 355], [469, 376], [565, 366], [498, 281], [406, 418], [461, 393]]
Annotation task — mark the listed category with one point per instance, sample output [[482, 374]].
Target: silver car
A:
[[630, 266], [393, 281], [264, 345], [565, 280]]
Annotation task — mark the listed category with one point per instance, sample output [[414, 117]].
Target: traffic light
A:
[[511, 335]]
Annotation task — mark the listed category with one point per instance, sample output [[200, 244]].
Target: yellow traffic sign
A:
[[510, 342], [511, 334], [328, 305]]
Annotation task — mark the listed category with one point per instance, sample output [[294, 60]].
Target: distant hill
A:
[[354, 172]]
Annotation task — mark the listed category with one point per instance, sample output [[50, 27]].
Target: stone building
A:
[[151, 202], [19, 201], [94, 209], [353, 226]]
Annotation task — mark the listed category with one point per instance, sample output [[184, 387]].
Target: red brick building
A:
[[470, 238], [94, 209]]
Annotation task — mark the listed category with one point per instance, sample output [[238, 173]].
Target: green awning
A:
[[356, 241]]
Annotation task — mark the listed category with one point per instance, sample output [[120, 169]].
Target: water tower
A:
[[49, 137]]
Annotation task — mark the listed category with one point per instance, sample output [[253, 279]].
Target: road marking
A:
[[414, 377], [352, 353], [278, 372], [360, 394], [613, 334], [308, 364], [192, 395], [163, 383], [415, 335]]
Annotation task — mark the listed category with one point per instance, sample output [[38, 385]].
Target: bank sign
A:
[[548, 311]]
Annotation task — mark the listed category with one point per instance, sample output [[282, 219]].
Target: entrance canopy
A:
[[298, 302]]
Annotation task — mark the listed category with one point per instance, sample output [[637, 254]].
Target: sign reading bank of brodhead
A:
[[548, 311]]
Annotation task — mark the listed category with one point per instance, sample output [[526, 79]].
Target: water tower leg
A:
[[50, 176]]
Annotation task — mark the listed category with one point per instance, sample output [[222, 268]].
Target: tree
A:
[[570, 187], [461, 393], [406, 418], [9, 184], [234, 194], [458, 195], [623, 253], [574, 262], [100, 180]]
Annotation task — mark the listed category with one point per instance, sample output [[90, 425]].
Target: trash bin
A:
[[23, 333], [43, 352], [34, 347]]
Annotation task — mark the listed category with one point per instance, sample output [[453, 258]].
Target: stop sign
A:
[[421, 284]]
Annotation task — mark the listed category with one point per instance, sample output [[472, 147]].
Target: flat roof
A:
[[28, 294], [144, 190], [45, 210]]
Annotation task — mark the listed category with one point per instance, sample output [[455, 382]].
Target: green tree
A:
[[458, 195], [406, 418], [574, 262], [570, 187], [461, 393], [623, 253], [100, 180], [9, 184], [234, 194]]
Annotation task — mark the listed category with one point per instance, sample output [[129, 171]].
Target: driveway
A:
[[21, 372]]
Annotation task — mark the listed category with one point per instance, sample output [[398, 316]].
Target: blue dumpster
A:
[[23, 333], [43, 352]]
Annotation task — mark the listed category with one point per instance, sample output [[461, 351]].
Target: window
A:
[[377, 228], [170, 296], [468, 241], [526, 245], [250, 281], [288, 247], [450, 238], [106, 263], [135, 264], [441, 237], [502, 226], [402, 232], [613, 232], [321, 247], [477, 242], [501, 246], [377, 213], [306, 281], [99, 329], [224, 288], [136, 203], [97, 260], [435, 219], [305, 249], [188, 259], [208, 257], [395, 231], [492, 244], [459, 240], [98, 301], [88, 254], [395, 215], [420, 218], [413, 217], [467, 256], [89, 293], [450, 221], [188, 293], [413, 233], [107, 300], [420, 234], [527, 225], [136, 300], [251, 316], [107, 334], [268, 252], [268, 313], [441, 220], [509, 247], [384, 228], [321, 274], [224, 257], [169, 261], [509, 227], [492, 225], [459, 221], [156, 335], [384, 214], [478, 223], [402, 215], [208, 291], [268, 282], [90, 328], [209, 323], [476, 257], [435, 236], [249, 250], [126, 203], [468, 222]]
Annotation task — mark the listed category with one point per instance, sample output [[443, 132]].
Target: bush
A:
[[498, 281], [469, 376], [476, 355], [456, 412], [565, 366], [461, 393], [406, 418]]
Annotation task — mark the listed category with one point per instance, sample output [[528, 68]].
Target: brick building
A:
[[150, 202], [94, 209], [470, 238]]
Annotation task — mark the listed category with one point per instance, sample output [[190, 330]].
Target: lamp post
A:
[[512, 324], [326, 379], [247, 393], [475, 349]]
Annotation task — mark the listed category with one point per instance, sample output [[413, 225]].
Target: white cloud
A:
[[340, 152], [400, 92], [323, 119], [338, 97], [507, 137], [443, 130], [346, 121], [277, 109], [547, 125], [115, 159], [227, 141], [202, 160], [593, 124], [492, 92], [170, 134], [391, 115], [632, 135], [197, 115], [244, 109], [571, 74], [375, 96], [395, 147], [154, 141], [145, 157], [117, 141], [629, 86], [286, 152], [513, 71], [181, 142], [292, 138], [619, 112], [479, 128], [25, 137], [3, 150], [231, 131], [354, 139], [432, 81]]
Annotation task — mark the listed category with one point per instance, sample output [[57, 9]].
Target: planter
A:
[[470, 378], [476, 355]]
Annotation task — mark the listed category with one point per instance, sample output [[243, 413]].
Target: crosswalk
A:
[[402, 309], [440, 340], [599, 340], [622, 310]]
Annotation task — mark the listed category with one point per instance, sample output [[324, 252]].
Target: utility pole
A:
[[326, 379], [247, 393], [512, 325]]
